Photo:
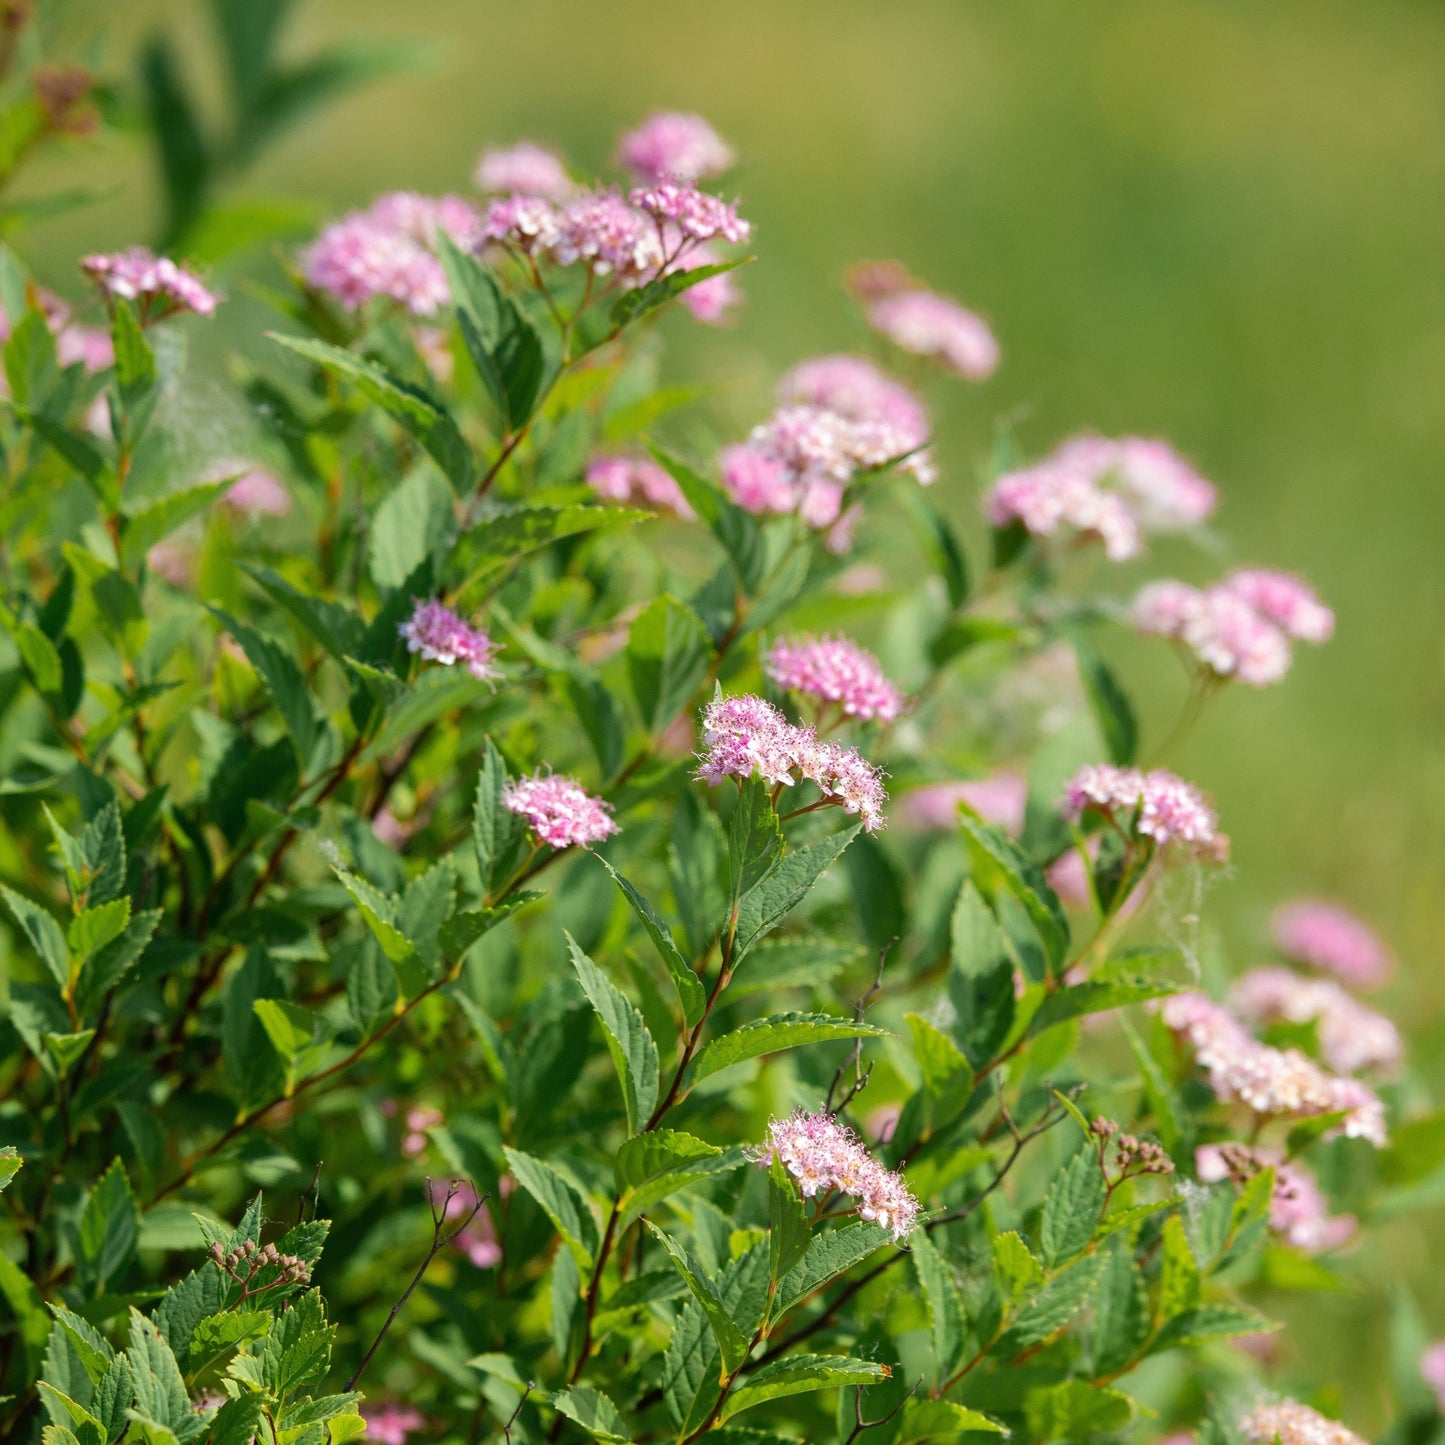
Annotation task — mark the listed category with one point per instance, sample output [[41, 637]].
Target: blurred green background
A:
[[1220, 223]]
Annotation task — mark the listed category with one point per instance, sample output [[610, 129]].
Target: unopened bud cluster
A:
[[246, 1260]]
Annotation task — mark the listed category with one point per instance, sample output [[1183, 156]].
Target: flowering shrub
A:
[[474, 822]]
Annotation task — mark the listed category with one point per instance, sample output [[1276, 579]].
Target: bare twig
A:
[[855, 1059]]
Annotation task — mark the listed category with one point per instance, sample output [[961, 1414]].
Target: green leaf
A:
[[425, 419], [27, 1310], [378, 912], [109, 1227], [109, 965], [735, 529], [930, 1420], [789, 1232], [947, 1074], [594, 1412], [496, 830], [284, 680], [414, 523], [61, 1408], [1094, 996], [658, 292], [690, 991], [299, 1035], [651, 1166], [135, 369], [560, 1201], [633, 1049], [770, 902], [730, 1339], [185, 161], [160, 1392], [219, 1334], [509, 535], [1121, 1312], [1163, 1102], [1054, 1306], [945, 1304], [238, 1421], [1076, 1410], [755, 838], [829, 1255], [998, 863], [668, 653], [142, 529], [1072, 1207], [10, 1162], [942, 547], [1211, 1322], [103, 844], [771, 1036], [44, 934], [93, 928], [1110, 704], [1180, 1280], [799, 1374], [337, 628]]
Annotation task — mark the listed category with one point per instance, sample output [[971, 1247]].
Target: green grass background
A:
[[1217, 222]]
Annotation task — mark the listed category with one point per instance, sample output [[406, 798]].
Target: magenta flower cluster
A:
[[1158, 805], [937, 327], [439, 635], [1241, 627], [1271, 1082], [746, 736], [153, 281], [835, 670], [1351, 1036], [825, 1156], [1331, 939], [560, 811], [389, 251], [638, 481]]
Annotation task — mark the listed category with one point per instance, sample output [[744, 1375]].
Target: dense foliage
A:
[[442, 813]]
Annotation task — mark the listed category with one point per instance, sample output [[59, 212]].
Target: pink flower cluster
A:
[[1432, 1371], [1351, 1036], [694, 214], [439, 635], [1162, 806], [745, 735], [559, 810], [140, 275], [1290, 1423], [389, 250], [833, 669], [524, 170], [674, 146], [257, 493], [1241, 627], [939, 328], [1111, 490], [638, 481], [1298, 1211], [389, 1422], [1000, 800], [1330, 938], [1271, 1082], [89, 346], [824, 1155], [839, 417]]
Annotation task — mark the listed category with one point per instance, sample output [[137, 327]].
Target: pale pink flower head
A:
[[359, 258], [744, 735], [559, 810], [257, 493], [1050, 498], [1286, 601], [439, 635], [1291, 1423], [1166, 609], [1298, 1210], [938, 328], [1331, 939], [845, 777], [155, 282], [672, 145], [833, 669], [524, 169], [389, 1422], [638, 481], [1432, 1371], [1162, 490], [613, 237], [1162, 806], [419, 1118], [756, 480], [853, 387], [424, 218], [1351, 1036], [999, 799], [1232, 639], [824, 1155], [696, 215], [531, 223]]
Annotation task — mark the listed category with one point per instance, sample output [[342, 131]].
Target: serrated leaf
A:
[[237, 1422], [43, 932], [594, 1412], [425, 419], [1180, 1279], [1094, 996], [1110, 704], [160, 1392], [789, 1232], [1072, 1207], [1121, 1312], [633, 1049], [945, 1304], [560, 1201], [799, 1374], [110, 964], [773, 899], [109, 1227], [1054, 1306], [771, 1036], [829, 1255], [92, 928], [668, 653], [999, 861], [1211, 1322], [378, 912], [285, 682], [690, 991], [735, 529], [632, 305], [495, 829], [502, 538], [929, 1420], [142, 529], [103, 843], [731, 1343], [1076, 1410], [755, 838], [649, 1167], [339, 630], [10, 1163]]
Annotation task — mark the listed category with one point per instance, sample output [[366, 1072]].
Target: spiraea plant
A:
[[445, 788]]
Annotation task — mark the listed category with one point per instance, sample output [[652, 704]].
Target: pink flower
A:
[[696, 215], [524, 170], [1227, 634], [930, 325], [140, 275], [638, 481], [1351, 1036], [423, 218], [1000, 800], [1163, 807], [1291, 1423], [1049, 497], [852, 387], [559, 810], [756, 480], [1332, 939], [1271, 1082], [834, 669], [824, 1155], [477, 1239], [669, 145], [389, 1423], [1286, 601], [1432, 1370], [439, 635], [1163, 491], [602, 229], [419, 1119], [257, 494], [531, 223], [1298, 1210]]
